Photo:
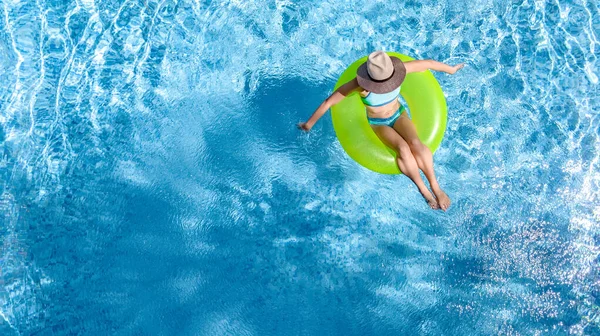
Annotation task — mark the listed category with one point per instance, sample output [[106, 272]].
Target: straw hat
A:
[[381, 73]]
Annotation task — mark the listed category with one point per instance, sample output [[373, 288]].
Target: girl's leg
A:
[[405, 127], [405, 159]]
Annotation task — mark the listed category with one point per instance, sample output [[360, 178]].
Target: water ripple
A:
[[150, 147]]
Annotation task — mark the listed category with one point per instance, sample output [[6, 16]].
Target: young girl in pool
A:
[[378, 82]]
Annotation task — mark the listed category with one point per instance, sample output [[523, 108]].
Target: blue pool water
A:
[[153, 181]]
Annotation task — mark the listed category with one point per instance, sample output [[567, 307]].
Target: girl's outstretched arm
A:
[[335, 98], [422, 65]]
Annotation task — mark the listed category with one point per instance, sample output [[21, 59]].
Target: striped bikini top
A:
[[380, 99]]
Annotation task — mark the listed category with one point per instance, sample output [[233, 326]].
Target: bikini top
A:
[[380, 99]]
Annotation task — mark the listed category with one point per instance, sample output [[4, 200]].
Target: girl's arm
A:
[[418, 66], [335, 98]]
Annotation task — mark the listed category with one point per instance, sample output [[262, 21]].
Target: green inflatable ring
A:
[[427, 107]]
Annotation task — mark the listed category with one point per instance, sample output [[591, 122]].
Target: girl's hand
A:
[[304, 126], [455, 68]]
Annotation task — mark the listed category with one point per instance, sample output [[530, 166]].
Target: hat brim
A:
[[367, 83]]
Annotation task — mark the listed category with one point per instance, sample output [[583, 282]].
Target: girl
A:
[[378, 82]]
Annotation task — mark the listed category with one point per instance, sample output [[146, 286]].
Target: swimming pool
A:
[[154, 181]]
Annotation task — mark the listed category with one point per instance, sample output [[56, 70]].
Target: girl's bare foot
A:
[[442, 199], [430, 199]]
